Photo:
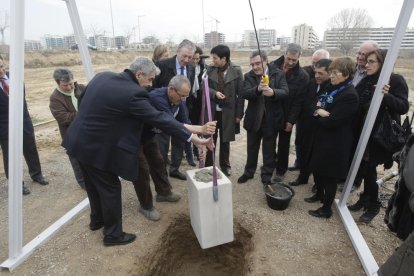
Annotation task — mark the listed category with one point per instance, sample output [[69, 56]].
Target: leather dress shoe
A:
[[297, 182], [226, 171], [96, 225], [125, 238], [313, 199], [243, 179], [41, 180], [178, 175], [320, 213]]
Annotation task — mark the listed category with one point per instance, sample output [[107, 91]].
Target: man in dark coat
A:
[[29, 143], [64, 107], [297, 80], [176, 65], [316, 87], [105, 138], [264, 115]]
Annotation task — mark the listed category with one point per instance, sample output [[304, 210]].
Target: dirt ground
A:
[[267, 242]]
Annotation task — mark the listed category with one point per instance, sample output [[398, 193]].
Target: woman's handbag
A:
[[390, 135]]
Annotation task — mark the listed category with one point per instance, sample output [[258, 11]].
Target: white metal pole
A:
[[365, 256], [80, 37], [16, 127]]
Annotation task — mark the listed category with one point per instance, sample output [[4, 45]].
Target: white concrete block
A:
[[212, 221]]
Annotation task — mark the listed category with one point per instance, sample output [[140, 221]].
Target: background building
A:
[[267, 38], [32, 45], [334, 38], [305, 36], [53, 42], [213, 39]]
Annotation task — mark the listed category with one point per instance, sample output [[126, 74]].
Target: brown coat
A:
[[232, 90], [62, 108]]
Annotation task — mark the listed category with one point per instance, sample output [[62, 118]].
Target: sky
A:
[[179, 19]]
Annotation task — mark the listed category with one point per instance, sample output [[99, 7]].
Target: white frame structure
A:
[[365, 256], [17, 253]]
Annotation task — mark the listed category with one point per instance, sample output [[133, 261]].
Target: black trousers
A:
[[326, 188], [268, 153], [224, 153], [151, 163], [370, 181], [283, 146], [29, 152], [104, 193]]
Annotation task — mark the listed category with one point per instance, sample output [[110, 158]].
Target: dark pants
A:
[[163, 145], [29, 152], [224, 153], [177, 148], [326, 189], [77, 171], [104, 193], [283, 152], [268, 153], [151, 163], [370, 181]]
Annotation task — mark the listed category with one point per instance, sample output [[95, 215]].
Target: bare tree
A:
[[4, 24], [352, 24]]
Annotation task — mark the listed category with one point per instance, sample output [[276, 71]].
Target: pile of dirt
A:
[[179, 253]]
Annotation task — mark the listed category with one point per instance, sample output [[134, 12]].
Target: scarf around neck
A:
[[72, 97]]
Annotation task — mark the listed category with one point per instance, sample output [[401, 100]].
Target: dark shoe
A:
[[372, 211], [124, 239], [243, 179], [226, 171], [362, 202], [26, 190], [151, 214], [173, 197], [293, 168], [191, 163], [178, 175], [93, 226], [320, 213], [41, 180], [297, 182], [313, 199]]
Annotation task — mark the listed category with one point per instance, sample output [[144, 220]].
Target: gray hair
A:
[[186, 44], [62, 74], [145, 65], [262, 54], [294, 48], [321, 54], [178, 80]]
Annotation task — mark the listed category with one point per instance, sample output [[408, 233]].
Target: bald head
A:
[[365, 48], [318, 55]]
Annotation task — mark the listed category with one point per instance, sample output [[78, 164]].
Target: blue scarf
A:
[[327, 98]]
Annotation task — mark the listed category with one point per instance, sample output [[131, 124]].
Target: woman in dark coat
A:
[[332, 139], [396, 101]]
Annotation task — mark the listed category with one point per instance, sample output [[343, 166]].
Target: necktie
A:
[[182, 70], [5, 86]]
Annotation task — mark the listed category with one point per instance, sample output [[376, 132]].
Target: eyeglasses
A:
[[181, 96], [371, 61], [335, 73]]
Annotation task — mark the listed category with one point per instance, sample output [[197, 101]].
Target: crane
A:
[[265, 20], [217, 22]]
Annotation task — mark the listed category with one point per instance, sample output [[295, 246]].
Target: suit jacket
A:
[[106, 132], [260, 107], [168, 71], [234, 107], [62, 108], [4, 116]]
